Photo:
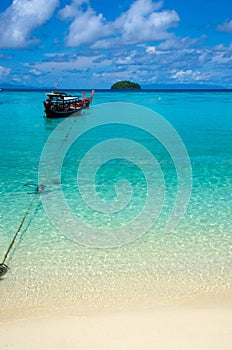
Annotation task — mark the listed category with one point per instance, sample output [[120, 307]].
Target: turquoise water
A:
[[50, 270]]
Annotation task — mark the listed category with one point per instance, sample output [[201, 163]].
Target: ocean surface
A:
[[118, 254]]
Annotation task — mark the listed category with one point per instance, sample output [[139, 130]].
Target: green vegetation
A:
[[125, 85]]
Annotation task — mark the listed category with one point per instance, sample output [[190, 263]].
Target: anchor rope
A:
[[19, 228], [38, 190]]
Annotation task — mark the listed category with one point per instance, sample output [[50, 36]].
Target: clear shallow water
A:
[[48, 270]]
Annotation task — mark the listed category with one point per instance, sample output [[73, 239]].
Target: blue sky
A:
[[94, 43]]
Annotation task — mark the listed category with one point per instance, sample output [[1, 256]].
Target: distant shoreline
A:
[[117, 91]]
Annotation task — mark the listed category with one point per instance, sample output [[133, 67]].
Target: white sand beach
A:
[[163, 328]]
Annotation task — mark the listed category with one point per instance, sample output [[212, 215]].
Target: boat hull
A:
[[62, 114]]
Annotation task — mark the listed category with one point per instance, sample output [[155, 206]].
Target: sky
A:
[[95, 43]]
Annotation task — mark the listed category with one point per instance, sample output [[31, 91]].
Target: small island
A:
[[125, 85]]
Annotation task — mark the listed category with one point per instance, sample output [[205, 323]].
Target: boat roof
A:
[[62, 95], [69, 98]]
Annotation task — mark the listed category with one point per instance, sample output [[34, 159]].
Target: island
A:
[[125, 85]]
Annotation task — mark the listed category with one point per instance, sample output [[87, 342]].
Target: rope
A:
[[39, 188], [19, 229]]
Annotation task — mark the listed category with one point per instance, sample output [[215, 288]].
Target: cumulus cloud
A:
[[80, 33], [86, 26], [21, 18], [225, 27], [73, 10], [143, 21]]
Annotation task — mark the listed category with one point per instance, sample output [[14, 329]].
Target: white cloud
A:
[[180, 75], [4, 71], [80, 33], [87, 26], [71, 11], [35, 72], [178, 43], [151, 49], [109, 43], [143, 21], [225, 27], [19, 20], [189, 75], [221, 58]]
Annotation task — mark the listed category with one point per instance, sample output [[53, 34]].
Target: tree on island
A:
[[125, 85]]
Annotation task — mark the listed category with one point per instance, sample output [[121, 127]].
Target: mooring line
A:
[[3, 267]]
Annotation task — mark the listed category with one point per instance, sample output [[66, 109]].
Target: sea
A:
[[135, 207]]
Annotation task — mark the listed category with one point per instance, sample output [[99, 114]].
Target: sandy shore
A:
[[201, 328]]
